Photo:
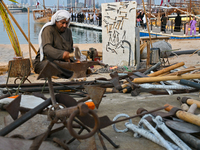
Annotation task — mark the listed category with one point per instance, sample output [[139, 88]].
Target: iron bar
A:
[[25, 117]]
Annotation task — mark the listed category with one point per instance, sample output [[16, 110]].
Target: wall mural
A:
[[118, 33]]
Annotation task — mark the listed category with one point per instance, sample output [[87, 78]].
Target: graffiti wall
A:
[[118, 33]]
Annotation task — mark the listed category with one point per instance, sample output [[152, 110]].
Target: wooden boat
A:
[[42, 15]]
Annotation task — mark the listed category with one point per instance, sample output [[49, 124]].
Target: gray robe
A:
[[54, 45]]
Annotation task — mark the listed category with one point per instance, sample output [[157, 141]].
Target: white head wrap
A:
[[59, 15]]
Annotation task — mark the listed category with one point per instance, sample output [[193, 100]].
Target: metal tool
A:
[[189, 101], [95, 93], [148, 135], [194, 119], [182, 126], [173, 124], [79, 69], [131, 9], [152, 134], [160, 124]]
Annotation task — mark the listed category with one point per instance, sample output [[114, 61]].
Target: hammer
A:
[[188, 117], [189, 101]]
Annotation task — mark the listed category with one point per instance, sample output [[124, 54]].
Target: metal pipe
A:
[[129, 50], [189, 139], [41, 84], [182, 52], [149, 135], [176, 84], [190, 83], [25, 117], [170, 87], [152, 68]]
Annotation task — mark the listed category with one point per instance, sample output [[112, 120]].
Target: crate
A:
[[19, 68]]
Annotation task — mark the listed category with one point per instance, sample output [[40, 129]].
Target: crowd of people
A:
[[80, 17], [141, 20], [166, 23]]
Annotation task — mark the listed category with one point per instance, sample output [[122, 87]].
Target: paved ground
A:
[[117, 103]]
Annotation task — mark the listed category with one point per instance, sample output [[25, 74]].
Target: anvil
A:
[[79, 69]]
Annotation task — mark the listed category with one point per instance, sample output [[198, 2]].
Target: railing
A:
[[154, 24], [86, 21]]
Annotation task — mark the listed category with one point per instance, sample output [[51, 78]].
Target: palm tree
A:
[[9, 28]]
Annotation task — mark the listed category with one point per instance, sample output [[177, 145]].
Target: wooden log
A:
[[166, 78], [166, 69]]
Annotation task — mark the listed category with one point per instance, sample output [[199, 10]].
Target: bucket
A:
[[154, 55]]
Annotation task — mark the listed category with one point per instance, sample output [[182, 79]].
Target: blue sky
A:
[[54, 2]]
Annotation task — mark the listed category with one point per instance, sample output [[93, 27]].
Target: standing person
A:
[[55, 44], [193, 26], [168, 25], [86, 16], [163, 23], [141, 18], [94, 17], [138, 20], [100, 19], [144, 22], [177, 23], [186, 28], [91, 17]]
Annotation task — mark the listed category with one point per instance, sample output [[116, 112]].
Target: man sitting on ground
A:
[[55, 43]]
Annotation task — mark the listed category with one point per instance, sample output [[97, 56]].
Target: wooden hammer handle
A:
[[192, 101], [191, 118], [194, 119]]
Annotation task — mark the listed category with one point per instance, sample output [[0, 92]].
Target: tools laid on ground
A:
[[176, 129]]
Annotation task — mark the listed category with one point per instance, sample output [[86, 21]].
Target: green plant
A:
[[10, 29]]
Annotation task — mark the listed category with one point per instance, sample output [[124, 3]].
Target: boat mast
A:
[[94, 6], [190, 9], [57, 5], [44, 8], [44, 5]]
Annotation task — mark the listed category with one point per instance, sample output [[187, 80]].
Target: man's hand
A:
[[66, 56]]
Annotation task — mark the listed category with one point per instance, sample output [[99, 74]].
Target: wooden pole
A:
[[148, 54], [166, 78], [29, 46], [18, 25], [150, 12], [57, 5], [94, 6], [190, 10], [147, 23], [84, 3], [166, 69], [44, 5]]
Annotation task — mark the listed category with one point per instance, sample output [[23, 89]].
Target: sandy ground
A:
[[114, 104]]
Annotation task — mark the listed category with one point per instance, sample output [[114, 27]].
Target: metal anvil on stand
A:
[[79, 69]]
